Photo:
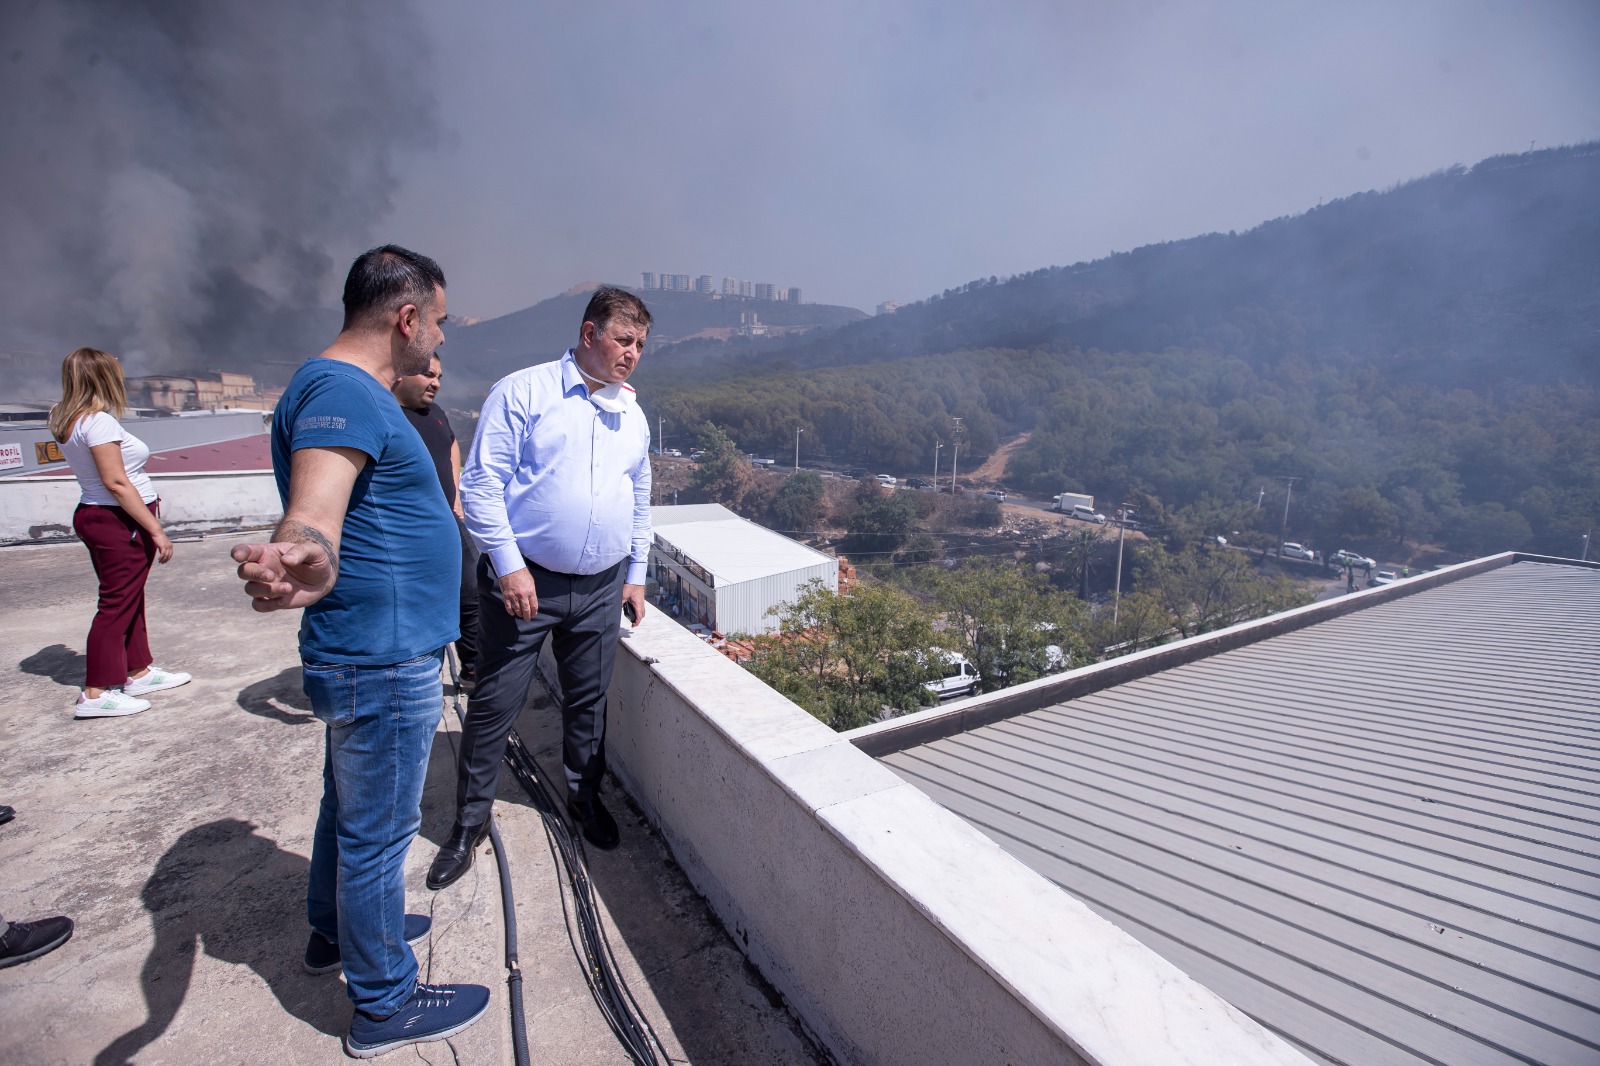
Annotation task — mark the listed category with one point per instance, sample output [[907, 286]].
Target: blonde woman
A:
[[118, 519]]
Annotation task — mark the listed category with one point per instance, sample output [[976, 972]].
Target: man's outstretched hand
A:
[[284, 575]]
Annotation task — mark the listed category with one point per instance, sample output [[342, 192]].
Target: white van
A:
[[1088, 514], [960, 676]]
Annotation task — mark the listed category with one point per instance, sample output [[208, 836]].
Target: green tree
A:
[[846, 658], [798, 505], [1203, 588], [1140, 619], [1486, 529], [1003, 619], [882, 524], [1363, 515], [724, 474]]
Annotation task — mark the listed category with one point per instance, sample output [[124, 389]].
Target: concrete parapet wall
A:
[[40, 507], [897, 932]]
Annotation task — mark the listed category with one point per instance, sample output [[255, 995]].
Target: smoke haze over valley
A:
[[187, 182]]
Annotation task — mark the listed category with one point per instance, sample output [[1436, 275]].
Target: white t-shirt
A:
[[101, 428]]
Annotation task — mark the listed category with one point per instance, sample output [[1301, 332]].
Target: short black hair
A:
[[386, 279], [609, 302]]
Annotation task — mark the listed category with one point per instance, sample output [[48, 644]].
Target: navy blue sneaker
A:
[[322, 954], [21, 941], [433, 1012]]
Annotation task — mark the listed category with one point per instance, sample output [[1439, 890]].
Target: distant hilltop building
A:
[[888, 307], [216, 391], [705, 283]]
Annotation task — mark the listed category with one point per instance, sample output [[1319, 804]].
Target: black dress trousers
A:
[[582, 614]]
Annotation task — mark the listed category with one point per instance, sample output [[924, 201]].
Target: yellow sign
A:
[[47, 452]]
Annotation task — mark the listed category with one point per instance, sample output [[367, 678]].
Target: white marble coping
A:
[[1105, 994]]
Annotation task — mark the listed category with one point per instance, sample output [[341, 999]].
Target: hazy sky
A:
[[887, 150], [183, 180]]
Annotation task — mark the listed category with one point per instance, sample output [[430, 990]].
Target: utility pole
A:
[[937, 444], [797, 431], [1122, 532], [1262, 495], [955, 450], [1585, 557], [1288, 494]]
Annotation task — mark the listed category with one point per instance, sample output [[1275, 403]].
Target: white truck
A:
[[1068, 500]]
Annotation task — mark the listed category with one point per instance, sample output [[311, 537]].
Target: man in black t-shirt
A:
[[416, 393]]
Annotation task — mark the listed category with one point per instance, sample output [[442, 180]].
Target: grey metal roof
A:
[[1376, 834]]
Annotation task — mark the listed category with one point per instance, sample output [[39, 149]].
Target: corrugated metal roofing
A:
[[1376, 835]]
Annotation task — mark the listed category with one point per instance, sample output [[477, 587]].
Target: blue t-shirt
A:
[[399, 553]]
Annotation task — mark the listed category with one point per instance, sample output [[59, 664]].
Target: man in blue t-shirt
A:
[[366, 547]]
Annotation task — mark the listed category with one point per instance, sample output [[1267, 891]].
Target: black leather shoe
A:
[[599, 828], [455, 858], [6, 814]]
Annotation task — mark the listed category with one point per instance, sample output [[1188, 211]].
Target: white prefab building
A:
[[719, 570]]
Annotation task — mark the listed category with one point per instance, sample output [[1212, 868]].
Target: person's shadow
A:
[[281, 698], [225, 887], [59, 663]]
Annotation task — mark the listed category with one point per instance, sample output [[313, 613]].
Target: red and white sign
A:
[[10, 457]]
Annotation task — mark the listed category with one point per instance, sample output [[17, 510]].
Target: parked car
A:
[[1385, 577], [918, 483], [857, 472], [696, 454], [1088, 514], [1291, 550], [960, 676], [995, 494], [674, 453], [888, 479], [1352, 560]]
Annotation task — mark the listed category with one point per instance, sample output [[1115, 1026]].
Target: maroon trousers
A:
[[122, 553]]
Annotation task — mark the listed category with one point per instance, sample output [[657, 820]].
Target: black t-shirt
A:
[[434, 428]]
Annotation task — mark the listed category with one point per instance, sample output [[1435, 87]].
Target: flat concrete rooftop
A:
[[178, 839]]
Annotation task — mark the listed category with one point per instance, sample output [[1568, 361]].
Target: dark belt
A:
[[533, 566]]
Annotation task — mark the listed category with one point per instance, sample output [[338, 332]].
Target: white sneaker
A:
[[154, 681], [113, 704]]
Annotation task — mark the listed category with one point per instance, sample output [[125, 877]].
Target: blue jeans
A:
[[380, 724]]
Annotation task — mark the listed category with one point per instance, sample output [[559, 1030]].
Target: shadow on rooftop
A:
[[225, 888], [280, 698], [59, 663]]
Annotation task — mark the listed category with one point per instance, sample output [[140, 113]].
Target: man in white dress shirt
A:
[[556, 493]]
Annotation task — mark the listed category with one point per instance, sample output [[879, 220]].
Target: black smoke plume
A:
[[185, 182]]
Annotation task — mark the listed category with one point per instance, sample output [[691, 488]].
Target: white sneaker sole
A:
[[109, 712], [129, 690], [372, 1051]]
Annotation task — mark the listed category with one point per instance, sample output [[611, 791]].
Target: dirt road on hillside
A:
[[993, 469]]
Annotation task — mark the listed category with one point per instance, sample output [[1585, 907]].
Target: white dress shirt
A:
[[554, 478]]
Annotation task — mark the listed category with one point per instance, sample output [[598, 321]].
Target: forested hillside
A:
[[1463, 277], [1423, 361], [482, 353]]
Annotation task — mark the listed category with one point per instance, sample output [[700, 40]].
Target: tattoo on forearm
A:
[[301, 533]]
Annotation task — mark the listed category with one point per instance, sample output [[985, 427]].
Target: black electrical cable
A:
[[508, 907], [611, 993]]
